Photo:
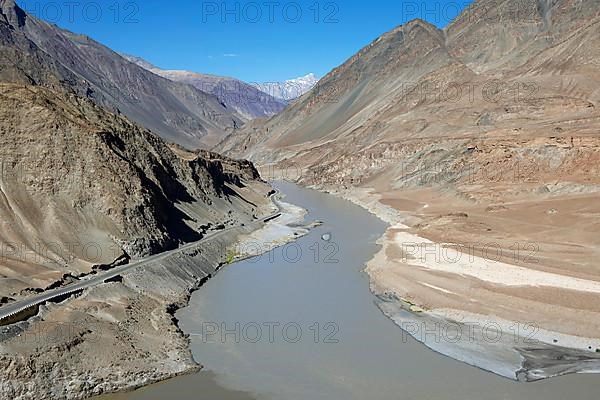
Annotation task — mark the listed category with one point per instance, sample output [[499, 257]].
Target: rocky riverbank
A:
[[122, 335]]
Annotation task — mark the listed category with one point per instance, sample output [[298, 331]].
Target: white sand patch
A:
[[275, 233], [446, 258], [436, 288]]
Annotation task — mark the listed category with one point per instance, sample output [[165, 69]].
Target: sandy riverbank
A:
[[278, 232], [450, 279], [122, 335]]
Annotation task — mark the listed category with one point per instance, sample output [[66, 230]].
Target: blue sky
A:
[[257, 41]]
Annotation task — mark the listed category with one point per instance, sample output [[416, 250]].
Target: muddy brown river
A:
[[300, 323]]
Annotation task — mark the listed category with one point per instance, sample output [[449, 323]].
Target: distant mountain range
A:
[[251, 100], [234, 94], [290, 89]]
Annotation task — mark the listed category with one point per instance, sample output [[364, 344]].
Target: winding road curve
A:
[[11, 310]]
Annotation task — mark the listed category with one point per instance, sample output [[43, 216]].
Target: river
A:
[[300, 323]]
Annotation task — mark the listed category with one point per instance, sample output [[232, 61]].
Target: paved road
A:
[[100, 278]]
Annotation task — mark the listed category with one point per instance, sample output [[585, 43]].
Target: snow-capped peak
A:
[[290, 89]]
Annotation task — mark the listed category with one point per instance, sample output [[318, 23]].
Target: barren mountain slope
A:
[[82, 187], [417, 81], [352, 94], [409, 90], [504, 34], [178, 112]]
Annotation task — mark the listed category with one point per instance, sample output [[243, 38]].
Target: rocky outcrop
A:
[[81, 187]]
